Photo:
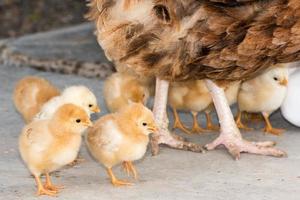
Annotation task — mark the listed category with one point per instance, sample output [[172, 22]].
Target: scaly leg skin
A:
[[41, 190], [230, 135], [163, 136], [130, 169], [177, 122], [269, 128], [115, 181], [196, 127], [239, 122], [49, 185], [209, 125]]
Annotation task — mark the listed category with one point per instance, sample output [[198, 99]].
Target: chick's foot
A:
[[130, 169], [115, 181]]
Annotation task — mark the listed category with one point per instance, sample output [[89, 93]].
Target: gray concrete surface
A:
[[172, 174]]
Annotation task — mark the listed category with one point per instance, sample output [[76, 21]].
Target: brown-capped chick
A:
[[122, 88], [190, 96], [231, 92], [121, 137], [30, 94], [47, 145], [264, 94]]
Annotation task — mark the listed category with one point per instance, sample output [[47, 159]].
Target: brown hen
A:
[[176, 40]]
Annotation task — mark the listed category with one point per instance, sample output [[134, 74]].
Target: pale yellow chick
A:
[[121, 137], [121, 88], [30, 94], [263, 94], [190, 96], [47, 145]]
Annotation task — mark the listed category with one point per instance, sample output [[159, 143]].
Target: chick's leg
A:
[[239, 122], [230, 136], [40, 188], [209, 124], [269, 128], [178, 123], [115, 181], [49, 185], [196, 127], [163, 136], [130, 169]]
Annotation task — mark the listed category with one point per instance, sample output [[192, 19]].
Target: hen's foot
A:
[[165, 137], [237, 145]]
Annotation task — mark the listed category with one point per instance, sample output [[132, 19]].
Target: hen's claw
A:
[[237, 145]]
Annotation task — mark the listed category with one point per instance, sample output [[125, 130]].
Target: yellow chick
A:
[[263, 94], [47, 145], [122, 88], [231, 92], [189, 96], [30, 94], [121, 137], [78, 95]]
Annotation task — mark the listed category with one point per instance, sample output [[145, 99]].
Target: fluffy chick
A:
[[121, 137], [263, 94], [78, 95], [231, 92], [47, 145], [189, 96], [30, 94], [121, 88]]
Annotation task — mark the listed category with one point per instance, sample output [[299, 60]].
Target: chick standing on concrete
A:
[[189, 96], [121, 137], [263, 94], [47, 145], [121, 88], [231, 93], [30, 94], [78, 95]]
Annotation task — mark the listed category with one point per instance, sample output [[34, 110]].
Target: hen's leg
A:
[[230, 135], [177, 123], [163, 136], [196, 127], [269, 128]]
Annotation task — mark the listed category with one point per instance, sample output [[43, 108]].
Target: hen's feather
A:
[[193, 39]]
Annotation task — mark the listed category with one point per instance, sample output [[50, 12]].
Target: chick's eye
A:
[[144, 124], [78, 120], [275, 79], [90, 105]]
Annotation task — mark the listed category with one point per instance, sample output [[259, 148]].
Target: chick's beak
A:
[[88, 123], [96, 109], [152, 128], [283, 82]]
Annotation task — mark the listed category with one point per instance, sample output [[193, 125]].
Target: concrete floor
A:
[[172, 174]]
